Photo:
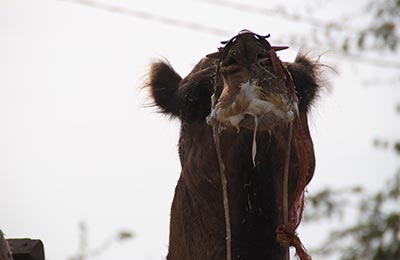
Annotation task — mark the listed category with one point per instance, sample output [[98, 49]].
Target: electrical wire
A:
[[152, 17], [377, 62], [279, 12]]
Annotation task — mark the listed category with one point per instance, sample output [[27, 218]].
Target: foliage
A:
[[382, 32], [86, 252], [375, 231], [375, 234], [385, 25]]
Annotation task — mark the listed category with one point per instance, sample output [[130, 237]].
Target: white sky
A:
[[78, 144]]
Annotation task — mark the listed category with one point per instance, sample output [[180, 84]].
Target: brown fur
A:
[[197, 227]]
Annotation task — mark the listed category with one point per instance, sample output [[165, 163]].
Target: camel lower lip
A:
[[266, 121]]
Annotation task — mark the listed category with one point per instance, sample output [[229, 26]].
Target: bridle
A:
[[286, 232]]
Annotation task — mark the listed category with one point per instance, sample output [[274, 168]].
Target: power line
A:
[[311, 21], [213, 30], [279, 12], [152, 17]]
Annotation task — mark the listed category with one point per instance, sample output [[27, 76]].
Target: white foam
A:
[[256, 107]]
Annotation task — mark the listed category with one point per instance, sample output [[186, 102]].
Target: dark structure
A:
[[26, 249], [20, 249]]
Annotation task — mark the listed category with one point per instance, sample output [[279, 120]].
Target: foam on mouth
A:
[[266, 113], [275, 107]]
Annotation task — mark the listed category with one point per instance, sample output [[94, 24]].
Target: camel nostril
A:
[[229, 61], [262, 55]]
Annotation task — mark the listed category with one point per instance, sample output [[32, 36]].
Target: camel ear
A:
[[306, 77], [163, 82]]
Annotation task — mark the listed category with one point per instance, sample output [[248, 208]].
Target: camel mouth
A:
[[253, 107], [257, 91]]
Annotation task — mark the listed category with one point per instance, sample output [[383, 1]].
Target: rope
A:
[[286, 184], [224, 182], [287, 237], [286, 178], [286, 233], [224, 193]]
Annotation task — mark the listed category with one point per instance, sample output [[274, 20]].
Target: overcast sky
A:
[[77, 142]]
